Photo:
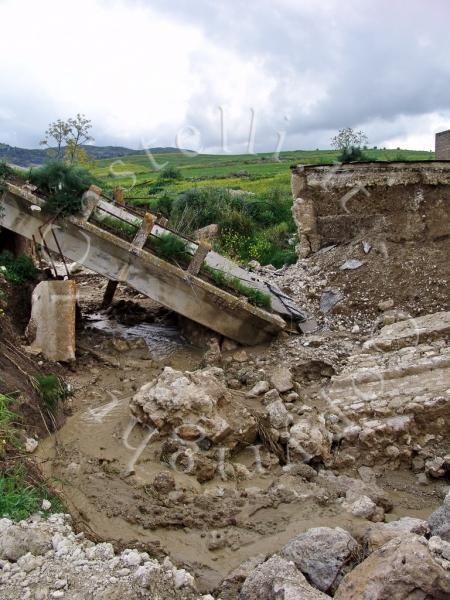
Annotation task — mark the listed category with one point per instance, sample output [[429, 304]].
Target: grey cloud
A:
[[380, 66]]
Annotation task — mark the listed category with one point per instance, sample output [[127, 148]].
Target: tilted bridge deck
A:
[[86, 241]]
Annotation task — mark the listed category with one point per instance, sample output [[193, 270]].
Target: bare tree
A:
[[348, 138], [78, 135], [57, 131]]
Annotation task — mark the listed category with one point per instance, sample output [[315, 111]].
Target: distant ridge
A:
[[24, 157]]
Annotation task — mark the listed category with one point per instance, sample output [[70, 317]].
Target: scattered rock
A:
[[310, 439], [184, 401], [261, 387], [364, 507], [164, 483], [323, 554], [351, 264], [281, 379], [379, 534], [386, 304], [275, 579], [439, 521], [30, 445]]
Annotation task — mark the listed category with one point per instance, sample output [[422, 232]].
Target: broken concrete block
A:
[[51, 329]]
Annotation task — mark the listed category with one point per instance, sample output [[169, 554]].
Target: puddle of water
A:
[[161, 338]]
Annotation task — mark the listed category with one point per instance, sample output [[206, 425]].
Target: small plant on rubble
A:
[[63, 185], [51, 389]]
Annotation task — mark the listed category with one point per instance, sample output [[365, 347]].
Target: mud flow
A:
[[121, 483]]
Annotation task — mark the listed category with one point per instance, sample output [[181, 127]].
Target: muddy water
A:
[[209, 528]]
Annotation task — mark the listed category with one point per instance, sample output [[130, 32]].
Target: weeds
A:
[[17, 269], [169, 246], [20, 498], [8, 419], [118, 226], [222, 280], [52, 390]]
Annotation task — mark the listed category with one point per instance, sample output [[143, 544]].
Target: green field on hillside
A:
[[253, 173], [247, 196]]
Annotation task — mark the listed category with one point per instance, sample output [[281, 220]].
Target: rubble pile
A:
[[44, 559]]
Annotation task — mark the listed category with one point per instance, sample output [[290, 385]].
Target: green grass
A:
[[20, 498], [224, 281], [8, 420], [170, 247], [193, 191]]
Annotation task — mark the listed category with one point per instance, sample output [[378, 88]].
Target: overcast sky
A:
[[150, 72]]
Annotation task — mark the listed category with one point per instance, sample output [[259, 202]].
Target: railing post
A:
[[118, 196], [90, 200], [144, 231], [138, 242], [197, 260]]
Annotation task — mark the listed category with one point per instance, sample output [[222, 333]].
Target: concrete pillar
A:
[[304, 214], [197, 260], [51, 329], [110, 290]]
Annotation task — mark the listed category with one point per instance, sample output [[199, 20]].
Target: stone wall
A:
[[442, 147], [405, 201]]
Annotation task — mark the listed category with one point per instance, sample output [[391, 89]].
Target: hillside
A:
[[25, 157], [250, 172]]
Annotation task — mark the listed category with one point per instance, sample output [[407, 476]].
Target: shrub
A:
[[17, 270], [51, 390], [352, 154], [64, 185], [170, 173], [169, 246]]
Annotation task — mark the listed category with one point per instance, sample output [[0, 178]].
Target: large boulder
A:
[[278, 579], [195, 406], [310, 439], [323, 554], [402, 569]]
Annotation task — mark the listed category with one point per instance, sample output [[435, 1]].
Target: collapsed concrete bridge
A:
[[87, 240]]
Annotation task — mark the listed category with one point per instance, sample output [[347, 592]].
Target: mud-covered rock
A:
[[278, 579], [323, 554], [379, 534], [186, 403], [401, 569], [310, 439], [231, 585]]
